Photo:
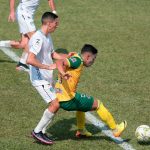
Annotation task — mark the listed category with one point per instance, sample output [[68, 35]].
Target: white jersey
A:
[[29, 5], [42, 47]]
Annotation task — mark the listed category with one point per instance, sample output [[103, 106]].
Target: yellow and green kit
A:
[[66, 89], [70, 100]]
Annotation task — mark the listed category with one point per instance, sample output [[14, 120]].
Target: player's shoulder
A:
[[37, 36], [77, 56], [75, 61]]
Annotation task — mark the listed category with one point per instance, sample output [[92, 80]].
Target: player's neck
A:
[[44, 30]]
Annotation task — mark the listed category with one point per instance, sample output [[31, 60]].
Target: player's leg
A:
[[81, 130], [104, 114], [84, 103], [27, 29], [107, 117], [81, 104], [40, 130], [24, 44], [49, 97], [20, 44]]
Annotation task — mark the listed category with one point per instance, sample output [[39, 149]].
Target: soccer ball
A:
[[142, 133]]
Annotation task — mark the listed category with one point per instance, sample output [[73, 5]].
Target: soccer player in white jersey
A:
[[41, 66], [25, 14]]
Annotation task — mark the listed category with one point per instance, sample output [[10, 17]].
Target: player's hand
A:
[[52, 67], [66, 76], [11, 17], [71, 54]]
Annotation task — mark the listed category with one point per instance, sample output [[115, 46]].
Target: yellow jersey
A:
[[65, 89]]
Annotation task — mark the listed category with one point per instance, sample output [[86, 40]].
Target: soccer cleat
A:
[[22, 67], [46, 137], [120, 128], [42, 138], [83, 133]]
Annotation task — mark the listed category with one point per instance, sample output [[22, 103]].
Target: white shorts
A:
[[25, 20], [47, 92]]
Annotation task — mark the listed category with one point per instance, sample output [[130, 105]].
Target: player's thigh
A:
[[69, 105], [81, 102], [24, 41], [84, 102], [29, 34], [25, 21], [47, 92]]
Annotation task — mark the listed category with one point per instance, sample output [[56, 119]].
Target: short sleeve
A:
[[53, 50], [74, 62], [36, 45]]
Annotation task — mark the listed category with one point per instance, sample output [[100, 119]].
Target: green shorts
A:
[[81, 102]]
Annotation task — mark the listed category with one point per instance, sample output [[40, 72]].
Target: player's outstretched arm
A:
[[52, 6], [58, 56], [11, 17], [31, 60]]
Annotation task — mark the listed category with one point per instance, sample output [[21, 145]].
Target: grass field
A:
[[120, 77]]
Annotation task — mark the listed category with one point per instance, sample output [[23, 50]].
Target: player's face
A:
[[90, 58], [53, 25]]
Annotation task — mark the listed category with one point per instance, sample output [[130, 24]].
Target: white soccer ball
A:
[[142, 133]]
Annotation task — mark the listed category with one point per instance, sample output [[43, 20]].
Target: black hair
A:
[[89, 48], [48, 16]]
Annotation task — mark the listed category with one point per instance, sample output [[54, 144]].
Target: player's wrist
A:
[[54, 12], [47, 67]]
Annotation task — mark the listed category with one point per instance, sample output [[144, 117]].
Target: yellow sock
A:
[[80, 120], [106, 116]]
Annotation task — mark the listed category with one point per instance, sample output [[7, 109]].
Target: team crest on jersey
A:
[[37, 41], [73, 59]]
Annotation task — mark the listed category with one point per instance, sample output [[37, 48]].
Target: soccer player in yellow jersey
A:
[[69, 74]]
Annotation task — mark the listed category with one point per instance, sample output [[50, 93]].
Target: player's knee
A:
[[54, 105], [18, 44], [95, 104], [23, 45]]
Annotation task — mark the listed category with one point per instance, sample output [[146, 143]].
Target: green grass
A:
[[120, 77]]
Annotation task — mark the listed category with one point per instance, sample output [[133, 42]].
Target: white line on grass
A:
[[99, 124], [91, 118], [10, 53]]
